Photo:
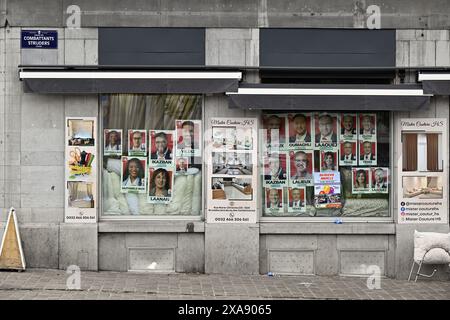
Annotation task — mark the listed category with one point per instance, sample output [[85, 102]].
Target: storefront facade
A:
[[238, 149]]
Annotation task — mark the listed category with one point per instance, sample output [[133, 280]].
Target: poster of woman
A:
[[134, 174], [160, 185], [361, 180], [328, 161]]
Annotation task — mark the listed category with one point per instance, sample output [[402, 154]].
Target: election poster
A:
[[301, 131]]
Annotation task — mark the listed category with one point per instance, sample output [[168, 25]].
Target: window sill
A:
[[150, 226], [326, 228]]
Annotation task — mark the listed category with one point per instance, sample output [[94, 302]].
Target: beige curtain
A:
[[432, 152], [410, 152]]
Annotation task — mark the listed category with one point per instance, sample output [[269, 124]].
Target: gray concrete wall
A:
[[32, 152], [418, 14], [188, 250], [416, 48]]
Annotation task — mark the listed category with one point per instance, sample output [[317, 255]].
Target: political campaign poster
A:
[[327, 190], [301, 131]]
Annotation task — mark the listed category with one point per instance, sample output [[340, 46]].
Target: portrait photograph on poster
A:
[[296, 199], [348, 127], [232, 163], [328, 160], [80, 194], [274, 127], [80, 132], [326, 131], [112, 139], [80, 163], [232, 188], [361, 179], [181, 165], [137, 142], [188, 138], [379, 181], [301, 166], [161, 147], [422, 187], [160, 184], [367, 126], [301, 133], [367, 153], [275, 169], [348, 152], [327, 190], [133, 174], [274, 200]]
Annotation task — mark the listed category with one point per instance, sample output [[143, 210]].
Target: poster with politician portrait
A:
[[137, 142], [361, 179], [368, 126], [326, 131], [348, 153], [274, 132], [380, 180], [161, 147], [348, 127], [367, 153], [275, 173], [181, 165], [274, 201], [328, 161], [133, 174], [188, 138], [301, 133], [301, 168], [112, 142], [296, 200], [160, 184]]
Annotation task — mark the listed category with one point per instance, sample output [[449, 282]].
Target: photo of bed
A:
[[232, 189], [422, 187]]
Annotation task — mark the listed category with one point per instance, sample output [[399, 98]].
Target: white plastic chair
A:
[[430, 248]]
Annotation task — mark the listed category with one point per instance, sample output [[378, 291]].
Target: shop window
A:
[[422, 151], [152, 155], [319, 164]]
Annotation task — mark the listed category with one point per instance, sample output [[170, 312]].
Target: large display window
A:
[[152, 155], [325, 164]]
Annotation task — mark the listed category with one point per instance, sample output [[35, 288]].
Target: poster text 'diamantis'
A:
[[231, 178], [422, 166]]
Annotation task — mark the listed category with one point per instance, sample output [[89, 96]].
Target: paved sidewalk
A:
[[51, 284]]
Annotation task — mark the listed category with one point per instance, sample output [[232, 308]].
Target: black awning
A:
[[436, 87], [74, 81], [435, 82], [329, 97]]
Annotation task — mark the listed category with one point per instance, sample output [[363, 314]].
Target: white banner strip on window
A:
[[128, 75], [329, 92], [434, 76]]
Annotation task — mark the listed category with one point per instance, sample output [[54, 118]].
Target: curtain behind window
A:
[[409, 152], [432, 152]]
